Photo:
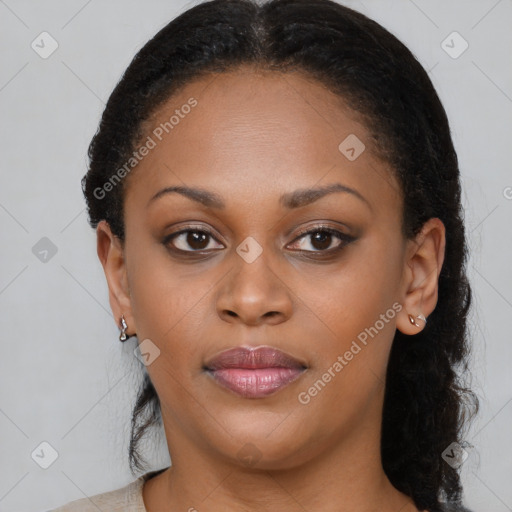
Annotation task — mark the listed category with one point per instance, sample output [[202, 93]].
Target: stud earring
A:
[[123, 336], [413, 321]]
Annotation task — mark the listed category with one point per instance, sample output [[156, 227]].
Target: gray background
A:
[[65, 379]]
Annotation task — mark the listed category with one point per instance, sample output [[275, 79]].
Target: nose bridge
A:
[[253, 278], [253, 291]]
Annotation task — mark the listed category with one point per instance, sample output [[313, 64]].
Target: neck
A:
[[347, 476]]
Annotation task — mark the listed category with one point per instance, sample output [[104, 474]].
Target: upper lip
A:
[[252, 358]]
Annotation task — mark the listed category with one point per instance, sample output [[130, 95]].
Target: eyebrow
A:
[[296, 199]]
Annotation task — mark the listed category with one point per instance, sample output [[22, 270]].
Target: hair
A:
[[426, 403]]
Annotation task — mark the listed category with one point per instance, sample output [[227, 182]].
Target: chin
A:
[[266, 447]]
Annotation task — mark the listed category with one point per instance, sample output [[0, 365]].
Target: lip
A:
[[254, 372]]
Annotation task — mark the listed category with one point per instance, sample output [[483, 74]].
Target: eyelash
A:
[[343, 237]]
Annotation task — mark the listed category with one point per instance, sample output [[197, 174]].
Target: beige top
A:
[[125, 499], [129, 499]]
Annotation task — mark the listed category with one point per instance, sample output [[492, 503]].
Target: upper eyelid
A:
[[319, 227], [302, 233]]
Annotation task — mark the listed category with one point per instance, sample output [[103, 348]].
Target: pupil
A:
[[195, 238], [322, 237], [321, 240]]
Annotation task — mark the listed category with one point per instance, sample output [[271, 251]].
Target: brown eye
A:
[[190, 240], [322, 239]]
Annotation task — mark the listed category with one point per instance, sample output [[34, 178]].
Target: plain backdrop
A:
[[65, 378]]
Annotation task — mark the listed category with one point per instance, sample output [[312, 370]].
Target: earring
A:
[[123, 336], [420, 316]]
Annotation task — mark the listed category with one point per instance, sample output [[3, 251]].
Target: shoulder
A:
[[119, 500], [124, 499]]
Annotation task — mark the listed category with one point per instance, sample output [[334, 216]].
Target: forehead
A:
[[258, 134]]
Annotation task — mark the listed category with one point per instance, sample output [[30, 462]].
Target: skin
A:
[[252, 137]]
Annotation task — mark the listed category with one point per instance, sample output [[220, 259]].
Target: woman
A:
[[276, 197]]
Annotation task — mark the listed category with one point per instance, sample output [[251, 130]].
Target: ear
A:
[[422, 266], [111, 254]]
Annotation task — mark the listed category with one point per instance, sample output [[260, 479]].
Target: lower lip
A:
[[257, 382]]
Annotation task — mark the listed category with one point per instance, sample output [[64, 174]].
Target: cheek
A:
[[349, 366], [349, 313], [342, 301], [161, 296]]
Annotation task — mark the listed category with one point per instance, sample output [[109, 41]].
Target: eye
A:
[[322, 239], [191, 240]]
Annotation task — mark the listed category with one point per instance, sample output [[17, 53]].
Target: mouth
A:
[[254, 372]]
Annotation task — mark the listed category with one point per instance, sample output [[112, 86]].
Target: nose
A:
[[253, 294]]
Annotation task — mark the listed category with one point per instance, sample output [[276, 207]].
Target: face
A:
[[285, 240]]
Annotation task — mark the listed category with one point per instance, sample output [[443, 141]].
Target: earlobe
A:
[[414, 321], [411, 323], [423, 265], [123, 335]]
